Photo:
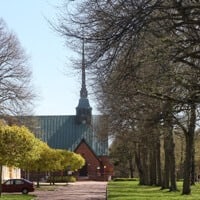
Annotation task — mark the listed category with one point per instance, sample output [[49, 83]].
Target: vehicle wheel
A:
[[25, 191]]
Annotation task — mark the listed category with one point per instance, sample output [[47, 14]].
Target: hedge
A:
[[61, 179]]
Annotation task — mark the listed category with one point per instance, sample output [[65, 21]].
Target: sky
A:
[[55, 81]]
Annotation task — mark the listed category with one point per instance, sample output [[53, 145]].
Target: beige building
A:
[[10, 172]]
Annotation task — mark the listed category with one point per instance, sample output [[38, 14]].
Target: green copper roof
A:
[[64, 133]]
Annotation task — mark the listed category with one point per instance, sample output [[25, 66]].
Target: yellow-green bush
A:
[[61, 179]]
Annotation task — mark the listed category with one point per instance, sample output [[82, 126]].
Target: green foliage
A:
[[69, 159], [54, 159], [77, 161], [66, 158], [61, 179], [16, 144], [128, 190], [30, 162], [47, 159], [71, 179]]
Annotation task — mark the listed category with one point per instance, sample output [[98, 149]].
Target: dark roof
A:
[[63, 132]]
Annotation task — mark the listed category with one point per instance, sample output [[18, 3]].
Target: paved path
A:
[[83, 190]]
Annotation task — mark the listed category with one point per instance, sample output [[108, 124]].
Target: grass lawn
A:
[[17, 197], [130, 190]]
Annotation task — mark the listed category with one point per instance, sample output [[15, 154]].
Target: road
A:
[[83, 190]]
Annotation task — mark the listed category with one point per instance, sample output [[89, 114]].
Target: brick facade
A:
[[96, 167]]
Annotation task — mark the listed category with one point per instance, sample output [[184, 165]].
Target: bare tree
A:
[[16, 91], [114, 31]]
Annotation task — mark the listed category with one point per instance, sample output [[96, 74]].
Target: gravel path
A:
[[83, 190]]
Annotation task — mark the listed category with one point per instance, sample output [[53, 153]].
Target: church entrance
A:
[[84, 170]]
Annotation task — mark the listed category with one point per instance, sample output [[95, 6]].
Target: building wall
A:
[[92, 161], [10, 172], [107, 167], [98, 167]]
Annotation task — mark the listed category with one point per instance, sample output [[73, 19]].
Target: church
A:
[[78, 133]]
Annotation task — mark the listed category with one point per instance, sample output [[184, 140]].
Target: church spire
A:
[[83, 110], [83, 92]]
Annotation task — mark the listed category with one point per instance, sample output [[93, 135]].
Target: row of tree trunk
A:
[[148, 157]]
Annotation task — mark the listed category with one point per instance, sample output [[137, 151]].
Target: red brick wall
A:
[[107, 165], [90, 158]]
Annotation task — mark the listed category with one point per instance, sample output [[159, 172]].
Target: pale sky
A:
[[54, 79]]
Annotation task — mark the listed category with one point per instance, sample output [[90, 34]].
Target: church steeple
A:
[[83, 92], [83, 110]]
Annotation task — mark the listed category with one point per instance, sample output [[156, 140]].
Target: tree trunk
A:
[[153, 167], [141, 163], [139, 167], [140, 171], [173, 186], [53, 178], [170, 166], [145, 165], [38, 179], [1, 171], [189, 137], [181, 165], [131, 168], [165, 183], [193, 167], [158, 162], [187, 166]]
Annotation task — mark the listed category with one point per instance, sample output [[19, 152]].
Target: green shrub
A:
[[71, 179], [61, 179]]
